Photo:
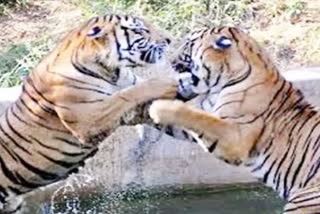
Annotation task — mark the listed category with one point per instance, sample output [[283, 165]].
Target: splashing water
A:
[[228, 201], [81, 194], [70, 194]]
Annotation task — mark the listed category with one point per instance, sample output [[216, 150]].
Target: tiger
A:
[[249, 114], [76, 97]]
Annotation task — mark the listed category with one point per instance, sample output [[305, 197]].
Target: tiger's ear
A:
[[95, 32], [222, 43]]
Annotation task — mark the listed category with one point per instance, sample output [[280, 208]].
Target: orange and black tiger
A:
[[249, 114], [74, 98]]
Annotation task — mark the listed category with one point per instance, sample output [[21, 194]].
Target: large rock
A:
[[125, 160]]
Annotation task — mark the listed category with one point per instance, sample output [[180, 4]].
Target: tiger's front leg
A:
[[93, 122], [304, 201], [215, 134], [301, 208]]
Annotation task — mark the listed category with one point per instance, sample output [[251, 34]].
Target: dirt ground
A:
[[40, 16]]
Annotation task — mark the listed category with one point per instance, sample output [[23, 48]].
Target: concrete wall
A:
[[125, 161]]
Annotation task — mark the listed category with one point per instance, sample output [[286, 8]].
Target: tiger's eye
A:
[[222, 43], [94, 31]]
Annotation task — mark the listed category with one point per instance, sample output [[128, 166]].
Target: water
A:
[[243, 200]]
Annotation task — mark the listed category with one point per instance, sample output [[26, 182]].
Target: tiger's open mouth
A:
[[186, 81], [185, 91]]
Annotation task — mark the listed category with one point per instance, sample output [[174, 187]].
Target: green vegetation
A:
[[7, 5], [18, 60], [177, 16], [265, 20]]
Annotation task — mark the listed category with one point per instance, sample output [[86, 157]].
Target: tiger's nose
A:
[[164, 43], [168, 41], [195, 80]]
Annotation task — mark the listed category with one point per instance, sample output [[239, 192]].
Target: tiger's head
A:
[[212, 59], [110, 47]]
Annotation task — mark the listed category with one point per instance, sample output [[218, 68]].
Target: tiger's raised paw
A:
[[165, 111], [163, 88]]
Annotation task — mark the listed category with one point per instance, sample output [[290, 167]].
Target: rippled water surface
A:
[[251, 200]]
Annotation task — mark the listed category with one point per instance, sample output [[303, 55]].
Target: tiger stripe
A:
[[267, 125], [76, 97]]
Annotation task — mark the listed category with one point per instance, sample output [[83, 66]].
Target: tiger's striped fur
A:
[[76, 97], [249, 115]]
